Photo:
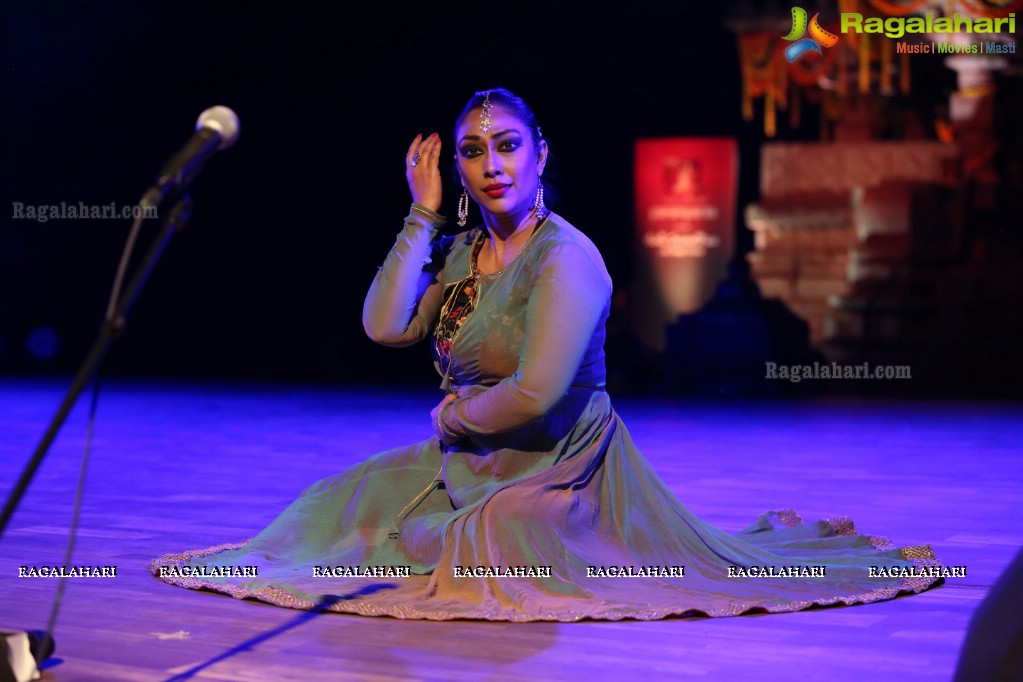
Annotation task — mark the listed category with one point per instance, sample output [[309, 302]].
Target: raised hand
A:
[[422, 173]]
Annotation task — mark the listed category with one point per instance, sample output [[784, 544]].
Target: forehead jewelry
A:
[[485, 116]]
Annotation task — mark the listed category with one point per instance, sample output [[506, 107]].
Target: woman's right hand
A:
[[424, 177]]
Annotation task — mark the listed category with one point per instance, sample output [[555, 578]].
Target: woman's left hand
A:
[[445, 437], [422, 173]]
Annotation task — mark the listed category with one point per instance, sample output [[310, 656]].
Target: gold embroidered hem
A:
[[417, 589]]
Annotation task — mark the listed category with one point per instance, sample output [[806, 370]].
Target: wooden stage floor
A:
[[184, 466]]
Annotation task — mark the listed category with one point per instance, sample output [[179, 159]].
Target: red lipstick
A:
[[495, 190]]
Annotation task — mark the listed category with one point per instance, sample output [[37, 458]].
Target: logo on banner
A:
[[818, 36], [682, 177]]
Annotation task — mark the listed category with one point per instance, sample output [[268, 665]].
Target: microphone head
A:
[[222, 120]]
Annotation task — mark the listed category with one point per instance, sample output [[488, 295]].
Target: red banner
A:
[[685, 225]]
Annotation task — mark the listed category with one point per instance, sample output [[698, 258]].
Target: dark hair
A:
[[524, 113]]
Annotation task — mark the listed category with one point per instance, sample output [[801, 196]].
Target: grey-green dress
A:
[[532, 502]]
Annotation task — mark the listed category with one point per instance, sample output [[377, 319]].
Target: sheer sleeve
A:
[[404, 298], [570, 293]]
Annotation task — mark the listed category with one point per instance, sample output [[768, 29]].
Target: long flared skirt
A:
[[562, 520]]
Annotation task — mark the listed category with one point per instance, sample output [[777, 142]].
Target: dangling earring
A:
[[538, 206], [463, 207]]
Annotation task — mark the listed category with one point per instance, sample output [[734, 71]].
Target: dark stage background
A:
[[268, 280]]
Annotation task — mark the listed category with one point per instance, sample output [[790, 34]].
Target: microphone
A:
[[216, 129]]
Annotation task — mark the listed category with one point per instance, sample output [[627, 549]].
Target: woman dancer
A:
[[531, 501]]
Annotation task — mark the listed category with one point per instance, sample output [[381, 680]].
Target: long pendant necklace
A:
[[458, 305], [464, 297]]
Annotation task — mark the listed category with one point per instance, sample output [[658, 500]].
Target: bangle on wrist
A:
[[442, 424], [435, 218]]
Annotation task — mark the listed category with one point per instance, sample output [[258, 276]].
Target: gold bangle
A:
[[435, 219]]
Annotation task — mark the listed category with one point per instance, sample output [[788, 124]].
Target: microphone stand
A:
[[110, 329], [40, 644]]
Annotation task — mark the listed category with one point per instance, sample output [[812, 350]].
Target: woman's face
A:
[[501, 168]]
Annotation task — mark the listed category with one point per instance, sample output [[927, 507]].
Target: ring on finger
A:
[[415, 159]]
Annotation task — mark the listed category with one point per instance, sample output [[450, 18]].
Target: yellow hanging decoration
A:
[[850, 7], [904, 83], [864, 62], [795, 106], [843, 55], [781, 82], [756, 55], [747, 75], [843, 73], [886, 67]]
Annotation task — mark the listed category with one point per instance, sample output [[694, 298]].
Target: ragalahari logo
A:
[[818, 36]]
